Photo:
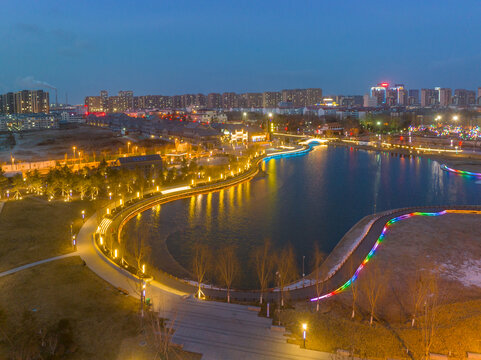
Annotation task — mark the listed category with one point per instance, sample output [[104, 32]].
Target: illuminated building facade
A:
[[271, 99], [25, 102]]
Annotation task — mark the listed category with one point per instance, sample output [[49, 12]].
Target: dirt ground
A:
[[54, 144]]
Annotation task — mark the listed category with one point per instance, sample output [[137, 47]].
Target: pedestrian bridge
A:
[[313, 140]]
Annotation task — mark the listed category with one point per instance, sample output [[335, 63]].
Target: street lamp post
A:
[[304, 333]]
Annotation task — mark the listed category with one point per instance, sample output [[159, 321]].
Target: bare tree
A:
[[286, 269], [227, 267], [373, 286], [141, 250], [417, 291], [200, 264], [319, 272], [354, 286], [161, 334], [429, 320], [263, 262]]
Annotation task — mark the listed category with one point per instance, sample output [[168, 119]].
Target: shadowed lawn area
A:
[[101, 318], [105, 323], [32, 230], [457, 332]]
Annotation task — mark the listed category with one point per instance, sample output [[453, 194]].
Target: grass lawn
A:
[[101, 317], [32, 230], [105, 323], [457, 331]]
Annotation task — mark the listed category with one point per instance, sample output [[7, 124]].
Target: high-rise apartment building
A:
[[254, 100], [444, 96], [229, 100], [460, 97], [188, 100], [379, 92], [125, 101], [214, 100], [471, 98], [298, 97], [177, 101], [201, 100], [428, 97], [8, 103], [413, 97], [313, 96], [104, 100], [271, 99], [25, 102]]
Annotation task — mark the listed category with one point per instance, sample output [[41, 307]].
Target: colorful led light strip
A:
[[288, 154], [374, 248], [459, 172]]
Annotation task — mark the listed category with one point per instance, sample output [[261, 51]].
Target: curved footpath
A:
[[338, 275]]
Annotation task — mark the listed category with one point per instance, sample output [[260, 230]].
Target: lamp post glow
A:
[[304, 332], [455, 118], [83, 215]]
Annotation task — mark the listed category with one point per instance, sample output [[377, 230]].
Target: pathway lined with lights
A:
[[380, 239], [23, 267], [214, 329]]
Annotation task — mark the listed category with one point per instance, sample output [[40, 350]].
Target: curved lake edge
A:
[[339, 255]]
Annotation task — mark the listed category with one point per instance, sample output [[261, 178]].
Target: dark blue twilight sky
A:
[[179, 46]]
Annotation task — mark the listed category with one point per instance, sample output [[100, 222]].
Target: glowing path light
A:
[[459, 172], [374, 248]]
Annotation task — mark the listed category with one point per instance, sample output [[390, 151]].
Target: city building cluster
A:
[[385, 95], [25, 102], [125, 101]]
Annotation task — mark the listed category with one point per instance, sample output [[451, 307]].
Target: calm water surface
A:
[[303, 200]]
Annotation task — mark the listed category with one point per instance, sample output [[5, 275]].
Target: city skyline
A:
[[162, 49]]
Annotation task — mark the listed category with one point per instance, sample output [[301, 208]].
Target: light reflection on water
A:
[[303, 200]]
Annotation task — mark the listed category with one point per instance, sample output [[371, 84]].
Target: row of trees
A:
[[278, 268], [107, 181]]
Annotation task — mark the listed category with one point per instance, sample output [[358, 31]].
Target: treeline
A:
[[102, 182]]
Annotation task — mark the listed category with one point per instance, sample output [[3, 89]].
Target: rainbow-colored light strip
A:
[[460, 172], [374, 248]]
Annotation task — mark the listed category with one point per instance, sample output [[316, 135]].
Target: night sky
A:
[[175, 47]]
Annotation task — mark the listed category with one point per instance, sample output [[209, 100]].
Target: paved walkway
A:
[[216, 330], [20, 268]]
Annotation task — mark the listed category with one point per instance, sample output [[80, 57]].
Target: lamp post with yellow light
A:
[[304, 333]]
